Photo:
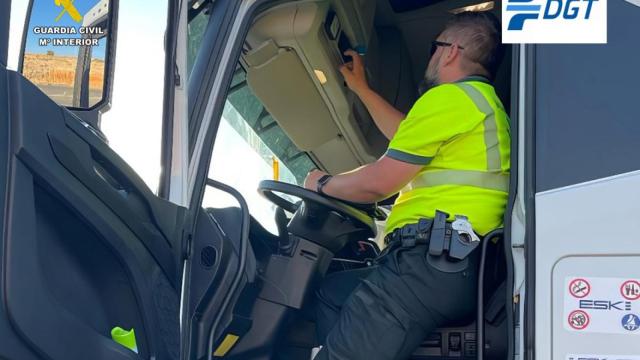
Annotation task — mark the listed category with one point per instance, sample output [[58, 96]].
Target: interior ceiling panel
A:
[[408, 5]]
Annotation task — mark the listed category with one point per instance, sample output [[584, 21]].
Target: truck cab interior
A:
[[288, 95]]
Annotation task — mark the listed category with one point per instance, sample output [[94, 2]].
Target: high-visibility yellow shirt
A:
[[459, 132]]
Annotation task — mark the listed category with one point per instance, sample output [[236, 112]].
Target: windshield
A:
[[253, 115], [248, 144]]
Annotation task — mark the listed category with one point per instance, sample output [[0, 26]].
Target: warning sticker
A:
[[630, 290], [602, 357], [602, 305], [579, 288], [578, 319]]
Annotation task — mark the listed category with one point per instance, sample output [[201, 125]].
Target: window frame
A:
[[215, 63], [173, 75]]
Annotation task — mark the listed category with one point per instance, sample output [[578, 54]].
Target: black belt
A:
[[411, 234], [436, 232]]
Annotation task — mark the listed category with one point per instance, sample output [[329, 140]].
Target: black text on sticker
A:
[[605, 305]]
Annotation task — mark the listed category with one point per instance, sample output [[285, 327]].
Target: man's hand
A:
[[311, 182], [386, 117], [354, 73]]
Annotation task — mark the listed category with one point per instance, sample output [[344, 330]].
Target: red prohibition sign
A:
[[578, 319], [579, 288], [630, 290]]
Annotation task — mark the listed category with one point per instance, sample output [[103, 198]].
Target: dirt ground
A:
[[55, 76], [44, 69]]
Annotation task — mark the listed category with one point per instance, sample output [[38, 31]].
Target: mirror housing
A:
[[68, 52]]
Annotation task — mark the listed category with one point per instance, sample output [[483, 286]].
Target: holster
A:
[[447, 250], [442, 237]]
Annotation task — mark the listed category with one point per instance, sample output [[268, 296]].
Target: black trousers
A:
[[387, 310]]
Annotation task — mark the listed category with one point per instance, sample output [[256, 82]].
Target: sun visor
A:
[[279, 79]]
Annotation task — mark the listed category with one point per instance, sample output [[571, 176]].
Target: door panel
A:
[[86, 245], [215, 262], [585, 138], [586, 243]]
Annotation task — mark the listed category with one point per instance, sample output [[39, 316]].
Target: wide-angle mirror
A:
[[66, 48]]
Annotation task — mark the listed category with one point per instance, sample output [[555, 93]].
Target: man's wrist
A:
[[324, 180]]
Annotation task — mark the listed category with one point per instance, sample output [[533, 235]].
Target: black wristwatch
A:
[[324, 179]]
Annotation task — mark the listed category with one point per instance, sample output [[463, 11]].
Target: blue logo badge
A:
[[630, 322], [554, 21], [564, 9]]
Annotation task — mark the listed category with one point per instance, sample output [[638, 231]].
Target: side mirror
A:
[[67, 50]]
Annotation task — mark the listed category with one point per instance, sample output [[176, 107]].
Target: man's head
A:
[[470, 44]]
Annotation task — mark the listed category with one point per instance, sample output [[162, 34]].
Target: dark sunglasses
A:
[[436, 43]]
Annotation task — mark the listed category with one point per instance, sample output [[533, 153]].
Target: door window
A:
[[133, 125], [248, 142]]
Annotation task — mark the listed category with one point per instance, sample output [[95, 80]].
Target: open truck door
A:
[[87, 247]]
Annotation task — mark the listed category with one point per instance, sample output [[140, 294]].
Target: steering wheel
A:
[[362, 214]]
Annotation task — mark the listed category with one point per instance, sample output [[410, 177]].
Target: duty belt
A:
[[456, 238]]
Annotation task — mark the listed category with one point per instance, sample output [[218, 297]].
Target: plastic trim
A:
[[529, 198], [244, 245]]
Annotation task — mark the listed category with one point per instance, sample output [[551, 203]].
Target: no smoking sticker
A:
[[579, 288], [630, 290], [578, 319]]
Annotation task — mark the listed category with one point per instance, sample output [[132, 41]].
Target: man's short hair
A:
[[479, 33]]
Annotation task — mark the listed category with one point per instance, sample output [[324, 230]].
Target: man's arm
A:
[[386, 117], [367, 184]]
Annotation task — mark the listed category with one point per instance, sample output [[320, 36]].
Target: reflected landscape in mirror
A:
[[65, 50]]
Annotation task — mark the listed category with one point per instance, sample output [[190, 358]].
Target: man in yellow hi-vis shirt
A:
[[449, 158]]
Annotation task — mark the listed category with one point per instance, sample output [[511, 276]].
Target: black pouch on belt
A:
[[448, 249]]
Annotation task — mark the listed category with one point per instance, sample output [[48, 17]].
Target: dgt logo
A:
[[568, 9], [554, 21]]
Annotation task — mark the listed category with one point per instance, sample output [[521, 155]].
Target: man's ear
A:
[[451, 54]]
